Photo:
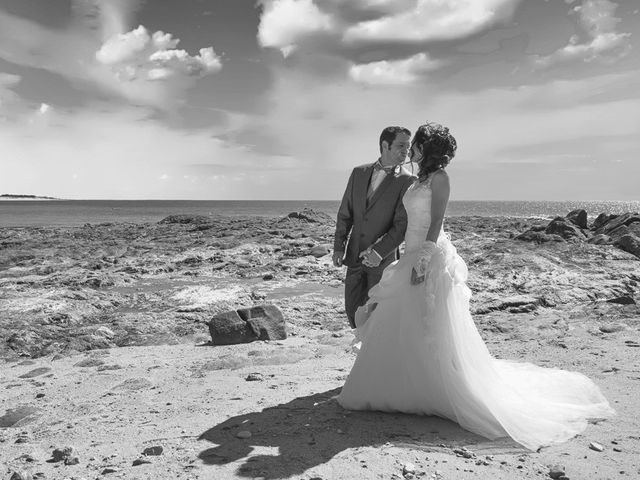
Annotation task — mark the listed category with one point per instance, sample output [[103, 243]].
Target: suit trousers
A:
[[359, 280]]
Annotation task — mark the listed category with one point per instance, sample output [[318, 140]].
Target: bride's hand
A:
[[415, 279]]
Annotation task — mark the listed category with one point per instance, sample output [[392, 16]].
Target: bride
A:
[[420, 351]]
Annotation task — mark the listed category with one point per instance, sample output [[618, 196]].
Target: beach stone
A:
[[556, 471], [62, 454], [596, 446], [319, 251], [623, 300], [140, 461], [564, 228], [36, 372], [629, 243], [153, 451], [578, 217], [20, 475], [262, 322], [18, 416], [625, 219], [612, 327], [244, 434], [601, 219]]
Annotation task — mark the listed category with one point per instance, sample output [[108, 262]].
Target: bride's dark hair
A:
[[437, 145]]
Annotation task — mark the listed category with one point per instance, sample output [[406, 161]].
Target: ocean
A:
[[14, 213]]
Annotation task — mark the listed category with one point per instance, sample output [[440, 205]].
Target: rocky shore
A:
[[98, 321]]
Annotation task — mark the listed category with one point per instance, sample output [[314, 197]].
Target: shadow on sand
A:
[[309, 431]]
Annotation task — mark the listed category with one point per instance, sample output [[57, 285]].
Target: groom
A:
[[371, 219]]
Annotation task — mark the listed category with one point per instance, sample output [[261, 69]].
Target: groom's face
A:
[[397, 151]]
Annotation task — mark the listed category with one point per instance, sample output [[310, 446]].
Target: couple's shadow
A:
[[293, 437]]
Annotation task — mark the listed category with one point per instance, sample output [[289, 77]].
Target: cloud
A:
[[399, 72], [284, 22], [431, 20], [603, 42], [98, 49]]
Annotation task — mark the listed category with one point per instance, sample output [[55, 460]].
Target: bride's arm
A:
[[440, 189]]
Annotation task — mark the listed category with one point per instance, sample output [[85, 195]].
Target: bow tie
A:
[[378, 166]]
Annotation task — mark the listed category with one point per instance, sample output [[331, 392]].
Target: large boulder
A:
[[624, 219], [566, 229], [629, 243], [262, 322], [601, 220], [578, 217]]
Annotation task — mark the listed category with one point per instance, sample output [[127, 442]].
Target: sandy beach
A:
[[108, 371]]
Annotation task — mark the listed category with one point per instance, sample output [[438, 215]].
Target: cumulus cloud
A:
[[284, 22], [98, 48], [602, 43], [399, 72]]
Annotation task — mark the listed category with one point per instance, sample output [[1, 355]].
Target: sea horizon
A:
[[67, 212]]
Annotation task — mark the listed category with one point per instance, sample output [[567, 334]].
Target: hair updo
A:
[[437, 145]]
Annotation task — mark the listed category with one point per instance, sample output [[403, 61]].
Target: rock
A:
[[186, 219], [618, 233], [36, 372], [60, 454], [538, 237], [311, 216], [72, 461], [153, 451], [556, 471], [268, 276], [578, 217], [89, 362], [319, 251], [600, 239], [623, 300], [140, 461], [244, 434], [596, 446], [612, 327], [629, 243], [624, 219], [18, 416], [263, 322], [564, 228], [601, 220], [254, 377], [408, 469], [109, 470], [20, 475]]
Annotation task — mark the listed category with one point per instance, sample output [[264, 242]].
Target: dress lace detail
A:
[[420, 352]]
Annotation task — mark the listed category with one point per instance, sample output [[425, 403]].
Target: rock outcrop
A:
[[262, 322]]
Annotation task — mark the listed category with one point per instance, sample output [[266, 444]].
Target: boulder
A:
[[624, 219], [629, 243], [578, 217], [601, 220], [262, 322], [311, 216], [566, 229], [186, 219]]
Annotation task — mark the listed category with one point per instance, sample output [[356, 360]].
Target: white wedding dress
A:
[[421, 353]]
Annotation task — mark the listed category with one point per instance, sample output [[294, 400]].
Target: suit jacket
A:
[[380, 223]]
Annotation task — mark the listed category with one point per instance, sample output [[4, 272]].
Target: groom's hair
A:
[[389, 134]]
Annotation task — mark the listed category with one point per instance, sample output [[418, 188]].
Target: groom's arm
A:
[[344, 221], [391, 240]]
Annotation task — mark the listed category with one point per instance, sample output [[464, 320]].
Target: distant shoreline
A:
[[9, 197]]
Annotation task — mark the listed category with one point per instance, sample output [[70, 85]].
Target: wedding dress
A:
[[421, 353]]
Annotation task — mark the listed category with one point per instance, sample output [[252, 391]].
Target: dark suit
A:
[[381, 222]]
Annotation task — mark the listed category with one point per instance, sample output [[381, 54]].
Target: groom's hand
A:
[[415, 279], [337, 258]]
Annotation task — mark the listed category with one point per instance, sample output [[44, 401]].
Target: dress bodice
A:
[[417, 203]]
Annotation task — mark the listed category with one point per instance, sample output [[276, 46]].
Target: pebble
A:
[[556, 471], [408, 469], [153, 451], [60, 454], [596, 446], [140, 461], [20, 475], [72, 461], [109, 470], [243, 434], [254, 377]]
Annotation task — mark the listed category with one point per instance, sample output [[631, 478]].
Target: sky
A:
[[280, 99]]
